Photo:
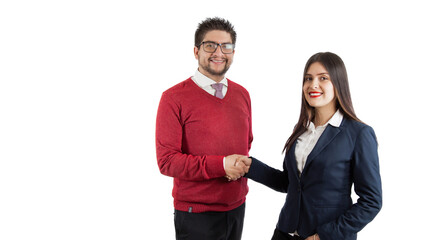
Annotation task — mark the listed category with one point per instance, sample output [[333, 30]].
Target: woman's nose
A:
[[314, 83]]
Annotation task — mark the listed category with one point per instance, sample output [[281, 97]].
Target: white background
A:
[[81, 82]]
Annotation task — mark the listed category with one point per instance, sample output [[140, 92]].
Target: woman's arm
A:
[[367, 185], [268, 176]]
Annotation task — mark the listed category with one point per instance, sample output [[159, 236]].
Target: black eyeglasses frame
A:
[[217, 44]]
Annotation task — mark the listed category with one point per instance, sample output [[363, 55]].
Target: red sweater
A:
[[194, 132]]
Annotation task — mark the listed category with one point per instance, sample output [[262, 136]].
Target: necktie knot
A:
[[218, 87]]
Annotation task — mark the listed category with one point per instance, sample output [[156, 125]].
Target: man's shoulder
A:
[[180, 88], [238, 87]]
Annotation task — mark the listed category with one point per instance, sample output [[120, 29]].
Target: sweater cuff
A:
[[215, 167]]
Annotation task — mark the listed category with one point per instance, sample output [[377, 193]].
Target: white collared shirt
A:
[[206, 83], [307, 141]]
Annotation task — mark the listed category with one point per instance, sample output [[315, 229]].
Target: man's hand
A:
[[235, 166]]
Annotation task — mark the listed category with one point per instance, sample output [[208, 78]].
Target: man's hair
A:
[[211, 24]]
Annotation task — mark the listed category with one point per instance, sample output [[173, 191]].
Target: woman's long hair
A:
[[337, 71]]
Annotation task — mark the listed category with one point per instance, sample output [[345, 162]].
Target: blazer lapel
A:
[[327, 136]]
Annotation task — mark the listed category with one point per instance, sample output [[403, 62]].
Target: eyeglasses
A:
[[211, 47]]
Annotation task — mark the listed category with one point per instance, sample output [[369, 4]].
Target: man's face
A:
[[214, 65]]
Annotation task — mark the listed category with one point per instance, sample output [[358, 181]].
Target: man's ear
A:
[[196, 52]]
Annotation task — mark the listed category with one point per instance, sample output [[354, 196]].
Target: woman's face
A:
[[318, 88]]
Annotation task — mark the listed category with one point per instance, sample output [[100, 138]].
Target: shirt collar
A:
[[204, 81], [334, 121]]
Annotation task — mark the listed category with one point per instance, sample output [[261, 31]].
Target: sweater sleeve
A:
[[367, 185], [250, 137], [170, 158]]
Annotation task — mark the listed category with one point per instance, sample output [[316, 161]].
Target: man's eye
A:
[[227, 46]]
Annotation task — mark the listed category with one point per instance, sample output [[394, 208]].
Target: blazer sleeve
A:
[[170, 158], [367, 185], [268, 176]]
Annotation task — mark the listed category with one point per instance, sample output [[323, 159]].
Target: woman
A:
[[329, 150]]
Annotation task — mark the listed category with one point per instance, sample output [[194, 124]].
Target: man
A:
[[201, 123]]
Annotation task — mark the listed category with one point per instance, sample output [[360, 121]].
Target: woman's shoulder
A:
[[357, 130], [355, 127], [347, 122]]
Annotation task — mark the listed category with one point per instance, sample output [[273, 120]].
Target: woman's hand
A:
[[244, 160], [313, 237]]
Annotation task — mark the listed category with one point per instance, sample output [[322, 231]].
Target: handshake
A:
[[236, 166]]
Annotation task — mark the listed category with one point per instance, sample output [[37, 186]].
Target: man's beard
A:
[[216, 73]]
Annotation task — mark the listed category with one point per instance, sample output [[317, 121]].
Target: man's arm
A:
[[170, 158]]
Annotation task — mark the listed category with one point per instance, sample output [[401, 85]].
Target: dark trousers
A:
[[210, 225], [278, 235]]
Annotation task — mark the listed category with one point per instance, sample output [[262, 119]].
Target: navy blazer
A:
[[319, 201]]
